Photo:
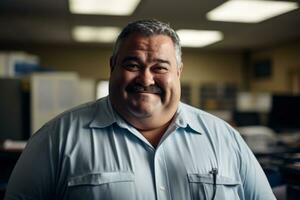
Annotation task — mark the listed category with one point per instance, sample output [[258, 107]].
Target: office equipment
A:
[[260, 139], [87, 90], [186, 93], [262, 68], [13, 145], [8, 159], [285, 112], [217, 96], [17, 63], [51, 94], [253, 102], [27, 103], [291, 175], [14, 110], [246, 118]]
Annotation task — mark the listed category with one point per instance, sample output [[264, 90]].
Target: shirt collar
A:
[[106, 116], [186, 118]]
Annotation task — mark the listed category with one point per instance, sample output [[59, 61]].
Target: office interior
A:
[[250, 77]]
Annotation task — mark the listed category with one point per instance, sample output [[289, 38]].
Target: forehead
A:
[[154, 44]]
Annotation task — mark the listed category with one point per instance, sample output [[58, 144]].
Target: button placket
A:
[[161, 179]]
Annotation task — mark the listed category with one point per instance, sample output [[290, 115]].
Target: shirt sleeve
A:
[[254, 180], [34, 174]]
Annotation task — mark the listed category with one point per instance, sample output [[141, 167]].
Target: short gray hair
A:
[[149, 27]]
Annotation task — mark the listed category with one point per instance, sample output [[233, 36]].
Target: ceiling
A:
[[50, 22]]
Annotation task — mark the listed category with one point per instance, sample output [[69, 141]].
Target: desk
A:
[[8, 160], [282, 167], [291, 175]]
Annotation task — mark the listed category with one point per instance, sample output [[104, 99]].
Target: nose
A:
[[145, 78]]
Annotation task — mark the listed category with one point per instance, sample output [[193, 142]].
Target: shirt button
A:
[[162, 188]]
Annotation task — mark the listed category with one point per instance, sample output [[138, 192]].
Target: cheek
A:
[[170, 83], [121, 79], [126, 79]]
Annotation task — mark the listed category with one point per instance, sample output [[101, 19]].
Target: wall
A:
[[285, 69], [211, 67], [199, 66], [93, 62], [89, 62]]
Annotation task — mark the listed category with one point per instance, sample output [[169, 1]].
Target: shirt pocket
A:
[[202, 187], [104, 185]]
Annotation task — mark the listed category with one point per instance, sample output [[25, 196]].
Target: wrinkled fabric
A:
[[90, 152]]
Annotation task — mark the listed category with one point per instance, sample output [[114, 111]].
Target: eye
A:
[[131, 66], [160, 69]]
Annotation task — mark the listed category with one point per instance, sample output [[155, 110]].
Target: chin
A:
[[141, 112]]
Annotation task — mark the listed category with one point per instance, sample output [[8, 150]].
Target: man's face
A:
[[145, 78]]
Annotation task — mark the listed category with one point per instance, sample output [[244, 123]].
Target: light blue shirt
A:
[[92, 153]]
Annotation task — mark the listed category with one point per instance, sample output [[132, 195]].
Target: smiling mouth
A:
[[153, 89]]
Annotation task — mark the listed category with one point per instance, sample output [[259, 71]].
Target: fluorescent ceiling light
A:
[[250, 11], [103, 7], [95, 34], [197, 38]]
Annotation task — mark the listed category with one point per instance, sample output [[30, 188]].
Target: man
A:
[[140, 142]]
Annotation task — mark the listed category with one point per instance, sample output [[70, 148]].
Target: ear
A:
[[112, 63], [179, 70]]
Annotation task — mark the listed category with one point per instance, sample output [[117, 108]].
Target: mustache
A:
[[147, 89]]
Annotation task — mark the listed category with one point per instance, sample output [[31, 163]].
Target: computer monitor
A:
[[285, 113], [246, 118]]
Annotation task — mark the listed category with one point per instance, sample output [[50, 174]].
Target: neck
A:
[[154, 135]]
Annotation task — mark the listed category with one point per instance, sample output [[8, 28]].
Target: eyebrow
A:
[[135, 58], [131, 58], [162, 61]]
